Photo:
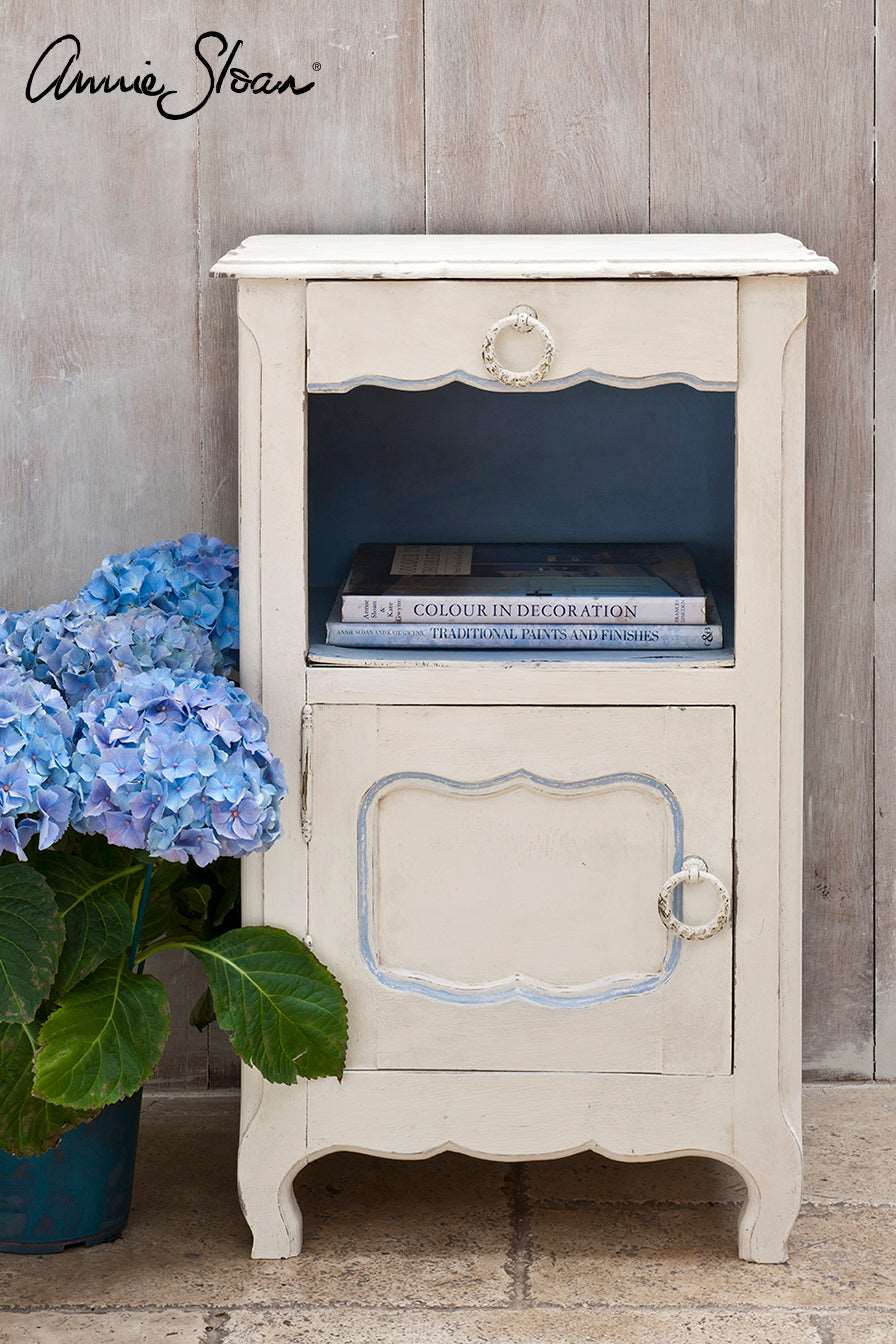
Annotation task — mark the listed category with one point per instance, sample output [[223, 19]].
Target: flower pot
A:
[[78, 1193]]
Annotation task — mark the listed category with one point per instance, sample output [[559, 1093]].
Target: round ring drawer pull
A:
[[522, 318], [694, 870]]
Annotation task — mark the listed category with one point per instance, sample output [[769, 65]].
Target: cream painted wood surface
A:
[[507, 1115], [435, 898], [484, 880], [769, 834], [624, 332], [575, 116], [273, 582], [539, 683], [559, 256]]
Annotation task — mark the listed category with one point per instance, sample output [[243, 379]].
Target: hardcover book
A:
[[571, 637], [587, 584]]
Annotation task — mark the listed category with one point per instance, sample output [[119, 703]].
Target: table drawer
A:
[[420, 334]]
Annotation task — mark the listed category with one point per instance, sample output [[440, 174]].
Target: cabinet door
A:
[[484, 881]]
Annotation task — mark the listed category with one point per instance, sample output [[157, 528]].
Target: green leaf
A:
[[282, 1009], [202, 1014], [224, 910], [28, 1125], [31, 934], [96, 907], [191, 903], [104, 1040]]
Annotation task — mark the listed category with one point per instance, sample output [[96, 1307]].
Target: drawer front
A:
[[484, 881], [419, 334]]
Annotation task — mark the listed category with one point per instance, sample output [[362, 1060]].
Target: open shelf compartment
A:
[[588, 463]]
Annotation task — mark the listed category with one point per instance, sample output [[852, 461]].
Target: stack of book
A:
[[503, 596]]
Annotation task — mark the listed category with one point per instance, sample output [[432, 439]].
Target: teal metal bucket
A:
[[78, 1193]]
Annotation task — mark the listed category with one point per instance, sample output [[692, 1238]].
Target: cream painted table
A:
[[505, 856]]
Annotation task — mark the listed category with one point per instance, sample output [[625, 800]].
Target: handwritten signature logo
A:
[[56, 71]]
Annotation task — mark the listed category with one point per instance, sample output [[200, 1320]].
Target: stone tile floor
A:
[[453, 1251]]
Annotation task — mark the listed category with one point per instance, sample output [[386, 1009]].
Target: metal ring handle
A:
[[694, 870], [521, 319]]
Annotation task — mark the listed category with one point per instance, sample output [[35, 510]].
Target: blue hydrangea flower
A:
[[196, 577], [35, 762], [176, 763], [77, 650]]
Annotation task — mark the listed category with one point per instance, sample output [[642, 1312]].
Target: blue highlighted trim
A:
[[516, 987], [546, 385]]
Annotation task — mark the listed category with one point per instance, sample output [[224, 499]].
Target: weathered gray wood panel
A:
[[536, 119], [100, 442], [536, 116], [100, 445], [885, 543], [125, 212], [345, 158], [185, 1062], [762, 118]]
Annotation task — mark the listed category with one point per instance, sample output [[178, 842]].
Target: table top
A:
[[535, 256]]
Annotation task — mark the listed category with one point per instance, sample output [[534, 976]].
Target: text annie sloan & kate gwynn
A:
[[57, 71]]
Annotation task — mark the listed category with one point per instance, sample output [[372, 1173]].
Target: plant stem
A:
[[138, 912]]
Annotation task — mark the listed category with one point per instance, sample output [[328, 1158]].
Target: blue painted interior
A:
[[585, 463]]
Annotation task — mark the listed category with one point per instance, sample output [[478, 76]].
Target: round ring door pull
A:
[[525, 319], [694, 870]]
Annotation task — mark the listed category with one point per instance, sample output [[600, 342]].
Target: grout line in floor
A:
[[551, 1204], [220, 1318], [519, 1256]]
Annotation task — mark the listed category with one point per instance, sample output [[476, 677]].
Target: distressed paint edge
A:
[[232, 268]]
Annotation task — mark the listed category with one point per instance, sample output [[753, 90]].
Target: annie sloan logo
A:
[[57, 71]]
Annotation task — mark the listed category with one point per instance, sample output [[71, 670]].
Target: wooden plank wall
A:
[[761, 119], [885, 541], [118, 415]]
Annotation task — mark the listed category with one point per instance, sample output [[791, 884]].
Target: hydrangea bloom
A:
[[35, 762], [178, 764], [75, 649], [196, 577]]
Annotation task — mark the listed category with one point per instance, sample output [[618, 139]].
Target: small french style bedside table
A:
[[561, 889]]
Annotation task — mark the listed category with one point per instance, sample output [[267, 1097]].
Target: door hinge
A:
[[307, 724]]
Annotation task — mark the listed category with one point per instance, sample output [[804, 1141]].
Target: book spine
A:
[[516, 610], [506, 636]]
